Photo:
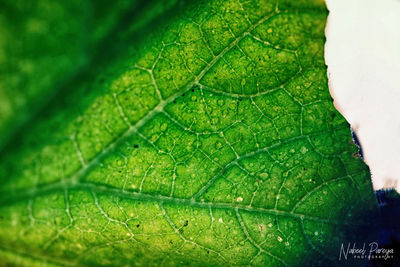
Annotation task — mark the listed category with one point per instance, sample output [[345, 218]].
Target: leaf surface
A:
[[213, 141], [45, 44]]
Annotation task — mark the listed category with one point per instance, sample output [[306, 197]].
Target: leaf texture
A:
[[45, 44], [212, 141]]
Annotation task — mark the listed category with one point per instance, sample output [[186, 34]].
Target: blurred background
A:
[[363, 58]]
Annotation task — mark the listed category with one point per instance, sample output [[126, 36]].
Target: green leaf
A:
[[211, 141], [46, 43]]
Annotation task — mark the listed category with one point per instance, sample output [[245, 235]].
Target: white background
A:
[[363, 58]]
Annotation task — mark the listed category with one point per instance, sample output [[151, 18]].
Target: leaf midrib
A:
[[157, 198]]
